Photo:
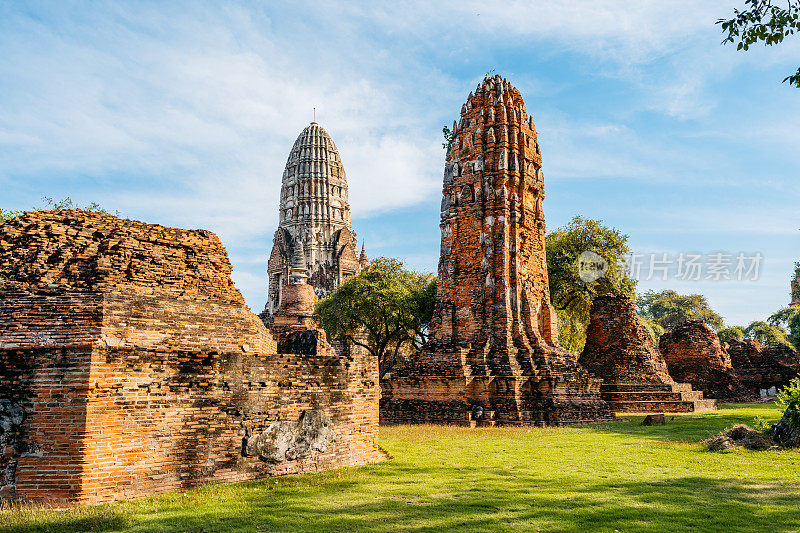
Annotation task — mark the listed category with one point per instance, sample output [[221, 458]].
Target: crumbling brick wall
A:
[[763, 367], [618, 348], [139, 368], [694, 355]]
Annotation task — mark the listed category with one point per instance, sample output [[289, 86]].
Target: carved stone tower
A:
[[494, 355], [314, 211]]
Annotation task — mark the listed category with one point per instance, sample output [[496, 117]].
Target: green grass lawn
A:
[[612, 477]]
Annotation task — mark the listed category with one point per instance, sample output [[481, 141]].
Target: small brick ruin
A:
[[694, 355], [130, 365], [635, 375], [761, 368], [494, 357]]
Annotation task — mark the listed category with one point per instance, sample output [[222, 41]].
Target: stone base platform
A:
[[655, 398]]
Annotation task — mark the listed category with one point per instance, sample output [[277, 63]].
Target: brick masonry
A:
[[694, 355], [494, 356], [138, 368], [635, 375], [763, 367]]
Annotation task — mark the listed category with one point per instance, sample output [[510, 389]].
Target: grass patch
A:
[[619, 476]]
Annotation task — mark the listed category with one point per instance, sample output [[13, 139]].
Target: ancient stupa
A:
[[494, 356], [314, 209]]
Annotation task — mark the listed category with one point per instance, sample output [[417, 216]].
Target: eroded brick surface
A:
[[494, 349], [635, 376], [763, 367], [694, 355], [140, 369]]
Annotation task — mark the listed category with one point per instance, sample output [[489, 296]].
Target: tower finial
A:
[[315, 113]]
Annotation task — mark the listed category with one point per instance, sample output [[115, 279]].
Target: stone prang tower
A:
[[494, 356], [314, 210]]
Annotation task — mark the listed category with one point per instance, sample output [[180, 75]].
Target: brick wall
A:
[[131, 385]]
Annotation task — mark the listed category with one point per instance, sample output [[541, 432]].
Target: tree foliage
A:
[[766, 334], [731, 333], [571, 296], [383, 309], [763, 21], [794, 331], [668, 309]]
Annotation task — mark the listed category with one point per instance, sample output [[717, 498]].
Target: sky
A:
[[183, 114]]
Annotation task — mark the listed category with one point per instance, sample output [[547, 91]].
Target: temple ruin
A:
[[494, 356], [763, 368], [635, 375], [314, 214], [130, 365], [694, 355]]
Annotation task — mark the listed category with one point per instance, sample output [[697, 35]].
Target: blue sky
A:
[[183, 114]]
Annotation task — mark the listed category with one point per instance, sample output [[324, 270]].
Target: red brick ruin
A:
[[695, 355], [761, 368], [494, 356], [130, 365], [635, 375]]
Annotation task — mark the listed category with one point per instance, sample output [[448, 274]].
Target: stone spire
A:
[[362, 260], [314, 208]]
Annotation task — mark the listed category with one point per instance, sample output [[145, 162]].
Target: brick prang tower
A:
[[494, 356]]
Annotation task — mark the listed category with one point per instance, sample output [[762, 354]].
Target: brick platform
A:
[[494, 356], [137, 368]]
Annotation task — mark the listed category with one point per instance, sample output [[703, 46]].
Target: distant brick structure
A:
[[763, 367], [635, 375], [794, 287], [130, 365], [314, 214], [694, 355], [494, 356]]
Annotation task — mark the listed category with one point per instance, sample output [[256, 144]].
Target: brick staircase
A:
[[655, 398]]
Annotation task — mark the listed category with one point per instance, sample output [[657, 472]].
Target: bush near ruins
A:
[[386, 309], [571, 296], [57, 205]]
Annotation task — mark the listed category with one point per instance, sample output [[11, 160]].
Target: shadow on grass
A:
[[692, 428], [519, 502]]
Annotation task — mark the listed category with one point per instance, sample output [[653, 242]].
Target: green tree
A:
[[794, 331], [383, 309], [796, 283], [783, 317], [762, 21], [766, 334], [668, 309], [731, 333], [570, 294]]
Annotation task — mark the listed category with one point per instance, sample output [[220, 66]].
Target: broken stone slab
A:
[[654, 420], [290, 440]]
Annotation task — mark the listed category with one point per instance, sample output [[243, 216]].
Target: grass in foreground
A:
[[619, 476]]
